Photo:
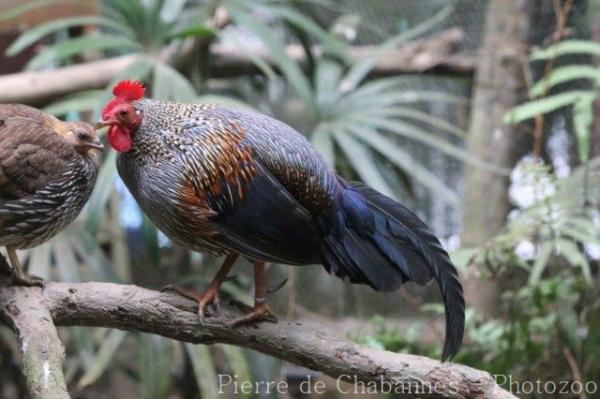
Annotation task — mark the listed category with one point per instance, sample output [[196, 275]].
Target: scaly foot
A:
[[17, 275], [26, 280], [204, 299], [261, 312]]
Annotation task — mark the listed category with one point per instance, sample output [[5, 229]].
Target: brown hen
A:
[[47, 172]]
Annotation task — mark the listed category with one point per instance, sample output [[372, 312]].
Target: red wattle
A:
[[119, 138]]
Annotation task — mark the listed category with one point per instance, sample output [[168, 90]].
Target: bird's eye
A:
[[123, 113], [83, 136]]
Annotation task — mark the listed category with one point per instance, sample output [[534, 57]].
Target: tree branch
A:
[[130, 307], [43, 354], [431, 54], [39, 87], [435, 53]]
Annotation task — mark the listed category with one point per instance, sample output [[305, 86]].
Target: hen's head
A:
[[81, 135], [120, 114]]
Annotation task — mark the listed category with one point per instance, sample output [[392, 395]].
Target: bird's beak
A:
[[96, 144], [102, 123]]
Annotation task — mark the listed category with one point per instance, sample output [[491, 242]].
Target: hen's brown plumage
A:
[[47, 172]]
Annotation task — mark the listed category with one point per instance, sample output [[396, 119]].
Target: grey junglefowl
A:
[[231, 182], [48, 169]]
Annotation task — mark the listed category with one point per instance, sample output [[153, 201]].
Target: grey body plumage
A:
[[183, 145], [225, 181]]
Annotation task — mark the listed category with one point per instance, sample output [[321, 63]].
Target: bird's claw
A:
[[26, 280], [16, 277], [204, 299], [207, 298], [204, 312], [260, 312]]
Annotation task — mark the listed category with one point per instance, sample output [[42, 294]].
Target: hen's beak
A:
[[96, 144], [102, 123]]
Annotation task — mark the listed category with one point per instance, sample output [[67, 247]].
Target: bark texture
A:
[[130, 307], [499, 85], [43, 353]]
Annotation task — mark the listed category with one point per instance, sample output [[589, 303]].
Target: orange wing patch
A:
[[219, 175]]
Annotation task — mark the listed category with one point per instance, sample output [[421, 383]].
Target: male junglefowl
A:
[[47, 172], [231, 182]]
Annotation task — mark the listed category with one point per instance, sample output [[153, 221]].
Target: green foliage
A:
[[204, 369], [155, 365], [581, 101], [552, 313], [102, 358], [384, 337], [567, 47], [549, 300], [556, 222], [31, 36], [562, 75]]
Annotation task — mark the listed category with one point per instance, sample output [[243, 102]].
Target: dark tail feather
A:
[[373, 240]]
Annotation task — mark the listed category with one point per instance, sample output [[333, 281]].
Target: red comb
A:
[[129, 90]]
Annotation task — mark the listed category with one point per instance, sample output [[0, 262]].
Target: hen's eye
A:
[[83, 136], [122, 113]]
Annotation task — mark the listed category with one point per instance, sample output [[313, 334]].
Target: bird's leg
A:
[[19, 277], [5, 267], [211, 294], [261, 311]]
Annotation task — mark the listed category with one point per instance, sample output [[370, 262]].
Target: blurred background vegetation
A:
[[481, 116]]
